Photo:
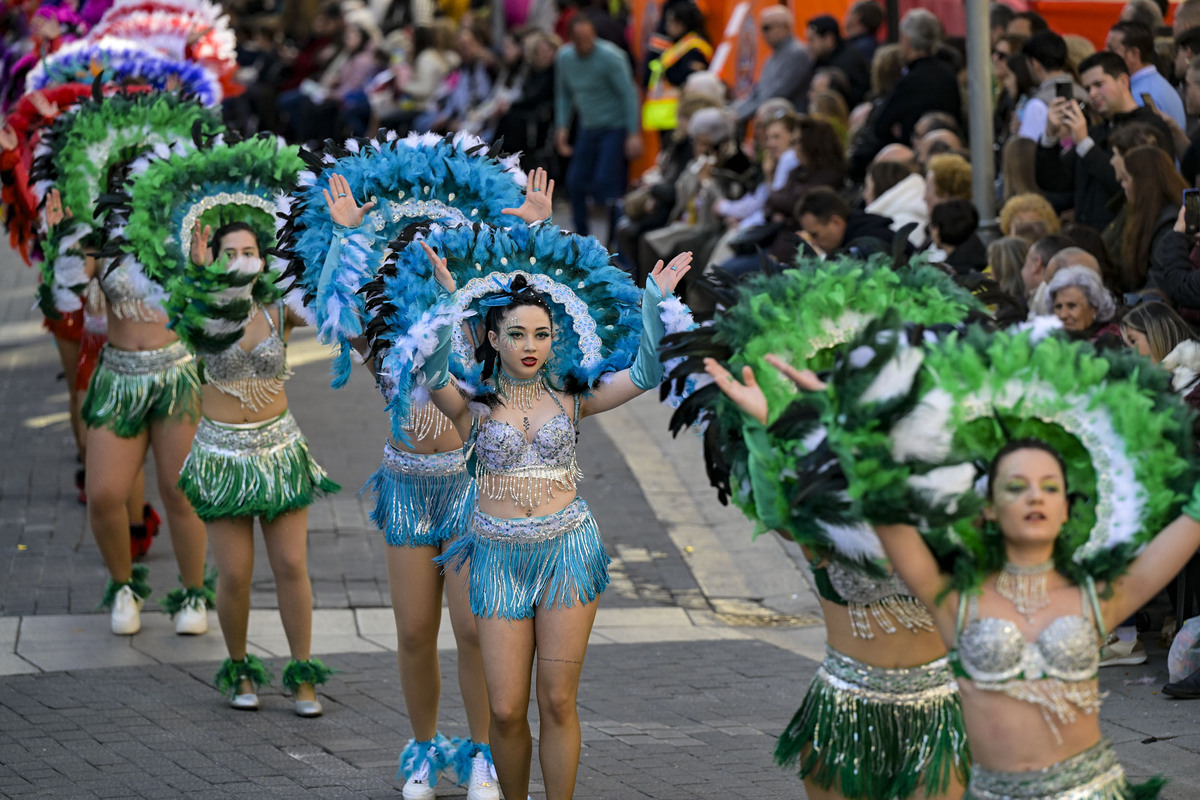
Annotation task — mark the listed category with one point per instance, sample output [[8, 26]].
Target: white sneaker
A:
[[126, 612], [1116, 653], [192, 619], [483, 784], [417, 786]]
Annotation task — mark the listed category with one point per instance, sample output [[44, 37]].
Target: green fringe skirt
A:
[[519, 565], [1093, 774], [871, 733], [130, 389], [260, 469]]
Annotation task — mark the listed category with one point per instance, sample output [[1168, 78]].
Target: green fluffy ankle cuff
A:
[[297, 673], [138, 581], [176, 599], [232, 672]]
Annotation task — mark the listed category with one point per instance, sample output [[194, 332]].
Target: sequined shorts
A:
[[1093, 774], [421, 499], [130, 389], [522, 564]]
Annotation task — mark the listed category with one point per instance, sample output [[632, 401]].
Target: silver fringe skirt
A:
[[421, 499], [519, 565], [1093, 774], [259, 469], [130, 389]]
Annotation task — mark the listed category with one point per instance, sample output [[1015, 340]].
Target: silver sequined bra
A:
[[254, 376], [527, 471], [125, 299], [887, 601]]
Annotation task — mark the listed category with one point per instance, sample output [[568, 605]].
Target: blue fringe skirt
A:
[[421, 500], [519, 565]]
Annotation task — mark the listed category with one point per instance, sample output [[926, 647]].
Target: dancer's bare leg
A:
[[507, 648], [562, 637], [416, 590], [287, 550], [113, 463], [171, 440], [471, 683]]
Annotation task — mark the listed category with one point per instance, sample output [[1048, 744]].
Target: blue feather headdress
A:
[[121, 61], [595, 306], [423, 178]]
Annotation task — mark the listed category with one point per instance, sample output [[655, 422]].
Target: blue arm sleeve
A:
[[647, 370]]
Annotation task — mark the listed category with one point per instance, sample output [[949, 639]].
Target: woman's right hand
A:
[[201, 253], [441, 272], [342, 208], [748, 396], [55, 213]]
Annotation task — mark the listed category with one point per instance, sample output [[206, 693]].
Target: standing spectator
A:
[[829, 50], [1187, 47], [1135, 43], [688, 52], [1153, 191], [999, 15], [594, 82], [1075, 157], [311, 57], [1189, 160], [786, 72], [861, 25], [1046, 55], [526, 124], [434, 58], [1143, 12], [929, 84], [464, 89], [1026, 24], [1187, 16]]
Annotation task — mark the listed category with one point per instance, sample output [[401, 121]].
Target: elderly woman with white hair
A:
[[1085, 307]]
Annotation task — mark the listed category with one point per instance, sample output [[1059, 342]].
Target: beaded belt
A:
[[531, 529], [882, 685], [145, 362], [251, 437], [1093, 774], [403, 462]]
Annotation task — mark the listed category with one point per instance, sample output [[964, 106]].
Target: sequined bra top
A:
[[509, 465], [1056, 671], [888, 601], [125, 299], [254, 376]]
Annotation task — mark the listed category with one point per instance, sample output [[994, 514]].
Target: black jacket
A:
[[929, 84], [1090, 179], [1171, 269], [850, 60], [969, 256]]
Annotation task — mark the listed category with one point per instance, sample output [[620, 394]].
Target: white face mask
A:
[[246, 265]]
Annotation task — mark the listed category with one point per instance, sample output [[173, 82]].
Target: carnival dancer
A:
[[557, 316], [1087, 457], [885, 679], [423, 493], [248, 458], [145, 390]]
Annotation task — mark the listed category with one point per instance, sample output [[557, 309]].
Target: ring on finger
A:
[[341, 194]]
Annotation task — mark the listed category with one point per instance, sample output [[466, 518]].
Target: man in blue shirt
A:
[[1134, 42], [593, 81]]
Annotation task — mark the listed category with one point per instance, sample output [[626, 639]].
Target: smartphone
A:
[[1148, 102], [1191, 211], [1064, 90]]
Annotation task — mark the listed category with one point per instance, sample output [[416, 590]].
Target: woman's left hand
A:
[[667, 277], [539, 199], [441, 272], [748, 396], [201, 254]]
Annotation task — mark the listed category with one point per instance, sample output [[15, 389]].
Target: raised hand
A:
[[539, 199], [805, 379], [342, 208], [668, 276], [43, 106], [441, 272], [747, 396], [8, 138], [55, 212], [201, 253]]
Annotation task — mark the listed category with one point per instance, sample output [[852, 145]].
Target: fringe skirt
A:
[[421, 500], [1093, 774], [132, 388], [872, 733], [519, 565], [260, 469]]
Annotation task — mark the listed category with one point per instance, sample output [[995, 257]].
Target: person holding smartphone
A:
[[1173, 273], [1046, 55]]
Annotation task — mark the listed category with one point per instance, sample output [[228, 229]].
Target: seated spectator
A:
[[1084, 306], [1189, 157], [1074, 157], [830, 79], [1067, 257], [338, 102], [1017, 175], [822, 162], [895, 190], [414, 87], [1078, 49], [481, 119], [1153, 191], [947, 176], [1029, 216], [1006, 257], [309, 60], [1157, 332], [525, 126], [1175, 273], [828, 226], [831, 108], [1037, 260], [952, 227], [465, 88], [829, 50]]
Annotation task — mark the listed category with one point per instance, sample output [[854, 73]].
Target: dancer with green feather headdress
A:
[[1076, 458], [249, 458], [882, 716]]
